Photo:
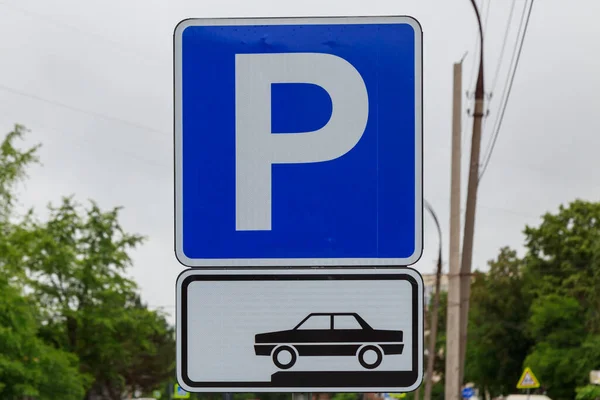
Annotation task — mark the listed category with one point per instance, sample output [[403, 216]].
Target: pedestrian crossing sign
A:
[[528, 380]]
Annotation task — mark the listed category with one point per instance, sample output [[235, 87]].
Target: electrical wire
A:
[[501, 57], [510, 67], [506, 95], [504, 41], [50, 20], [81, 110], [486, 17]]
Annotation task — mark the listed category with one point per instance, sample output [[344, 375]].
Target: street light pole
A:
[[434, 311], [467, 253]]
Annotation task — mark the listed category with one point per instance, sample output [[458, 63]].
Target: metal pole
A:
[[467, 254], [434, 311], [302, 396], [452, 386], [418, 393]]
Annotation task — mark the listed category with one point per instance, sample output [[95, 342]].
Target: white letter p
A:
[[257, 149]]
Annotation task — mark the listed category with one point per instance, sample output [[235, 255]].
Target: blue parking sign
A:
[[298, 142]]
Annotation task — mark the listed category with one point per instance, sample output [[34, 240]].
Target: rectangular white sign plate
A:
[[300, 330]]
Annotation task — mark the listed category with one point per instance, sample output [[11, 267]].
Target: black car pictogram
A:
[[330, 334]]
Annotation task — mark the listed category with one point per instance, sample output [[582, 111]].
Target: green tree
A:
[[588, 392], [76, 264], [497, 343], [346, 396], [563, 276], [28, 366], [81, 309], [440, 359], [542, 310], [13, 167]]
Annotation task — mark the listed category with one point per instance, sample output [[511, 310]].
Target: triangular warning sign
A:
[[528, 380]]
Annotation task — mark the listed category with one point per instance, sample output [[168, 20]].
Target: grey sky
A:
[[93, 81]]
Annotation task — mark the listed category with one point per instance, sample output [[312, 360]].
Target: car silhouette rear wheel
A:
[[284, 357], [370, 357]]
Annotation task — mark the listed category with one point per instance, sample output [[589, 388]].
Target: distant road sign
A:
[[394, 395], [290, 331], [467, 393], [528, 380], [180, 393], [298, 142]]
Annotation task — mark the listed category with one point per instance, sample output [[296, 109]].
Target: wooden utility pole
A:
[[467, 253], [452, 351]]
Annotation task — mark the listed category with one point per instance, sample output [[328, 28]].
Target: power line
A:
[[97, 115], [49, 20], [510, 67], [508, 89], [501, 56], [81, 110], [507, 86]]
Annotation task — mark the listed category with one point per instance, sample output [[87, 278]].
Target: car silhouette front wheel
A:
[[370, 356], [284, 357]]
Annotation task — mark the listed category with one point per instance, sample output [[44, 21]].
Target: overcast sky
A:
[[93, 81]]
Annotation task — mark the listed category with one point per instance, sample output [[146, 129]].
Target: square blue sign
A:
[[298, 142]]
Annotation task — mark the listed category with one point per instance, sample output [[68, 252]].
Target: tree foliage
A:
[[497, 342], [563, 270], [588, 392], [28, 366], [541, 310], [82, 328], [13, 167]]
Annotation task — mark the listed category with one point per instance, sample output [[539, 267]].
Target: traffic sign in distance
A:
[[306, 330], [180, 393], [528, 380], [467, 393], [298, 142], [394, 395]]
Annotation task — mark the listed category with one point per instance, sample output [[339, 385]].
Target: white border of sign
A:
[[383, 273], [299, 262]]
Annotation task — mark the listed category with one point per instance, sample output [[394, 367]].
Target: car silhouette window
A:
[[345, 322], [316, 322]]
